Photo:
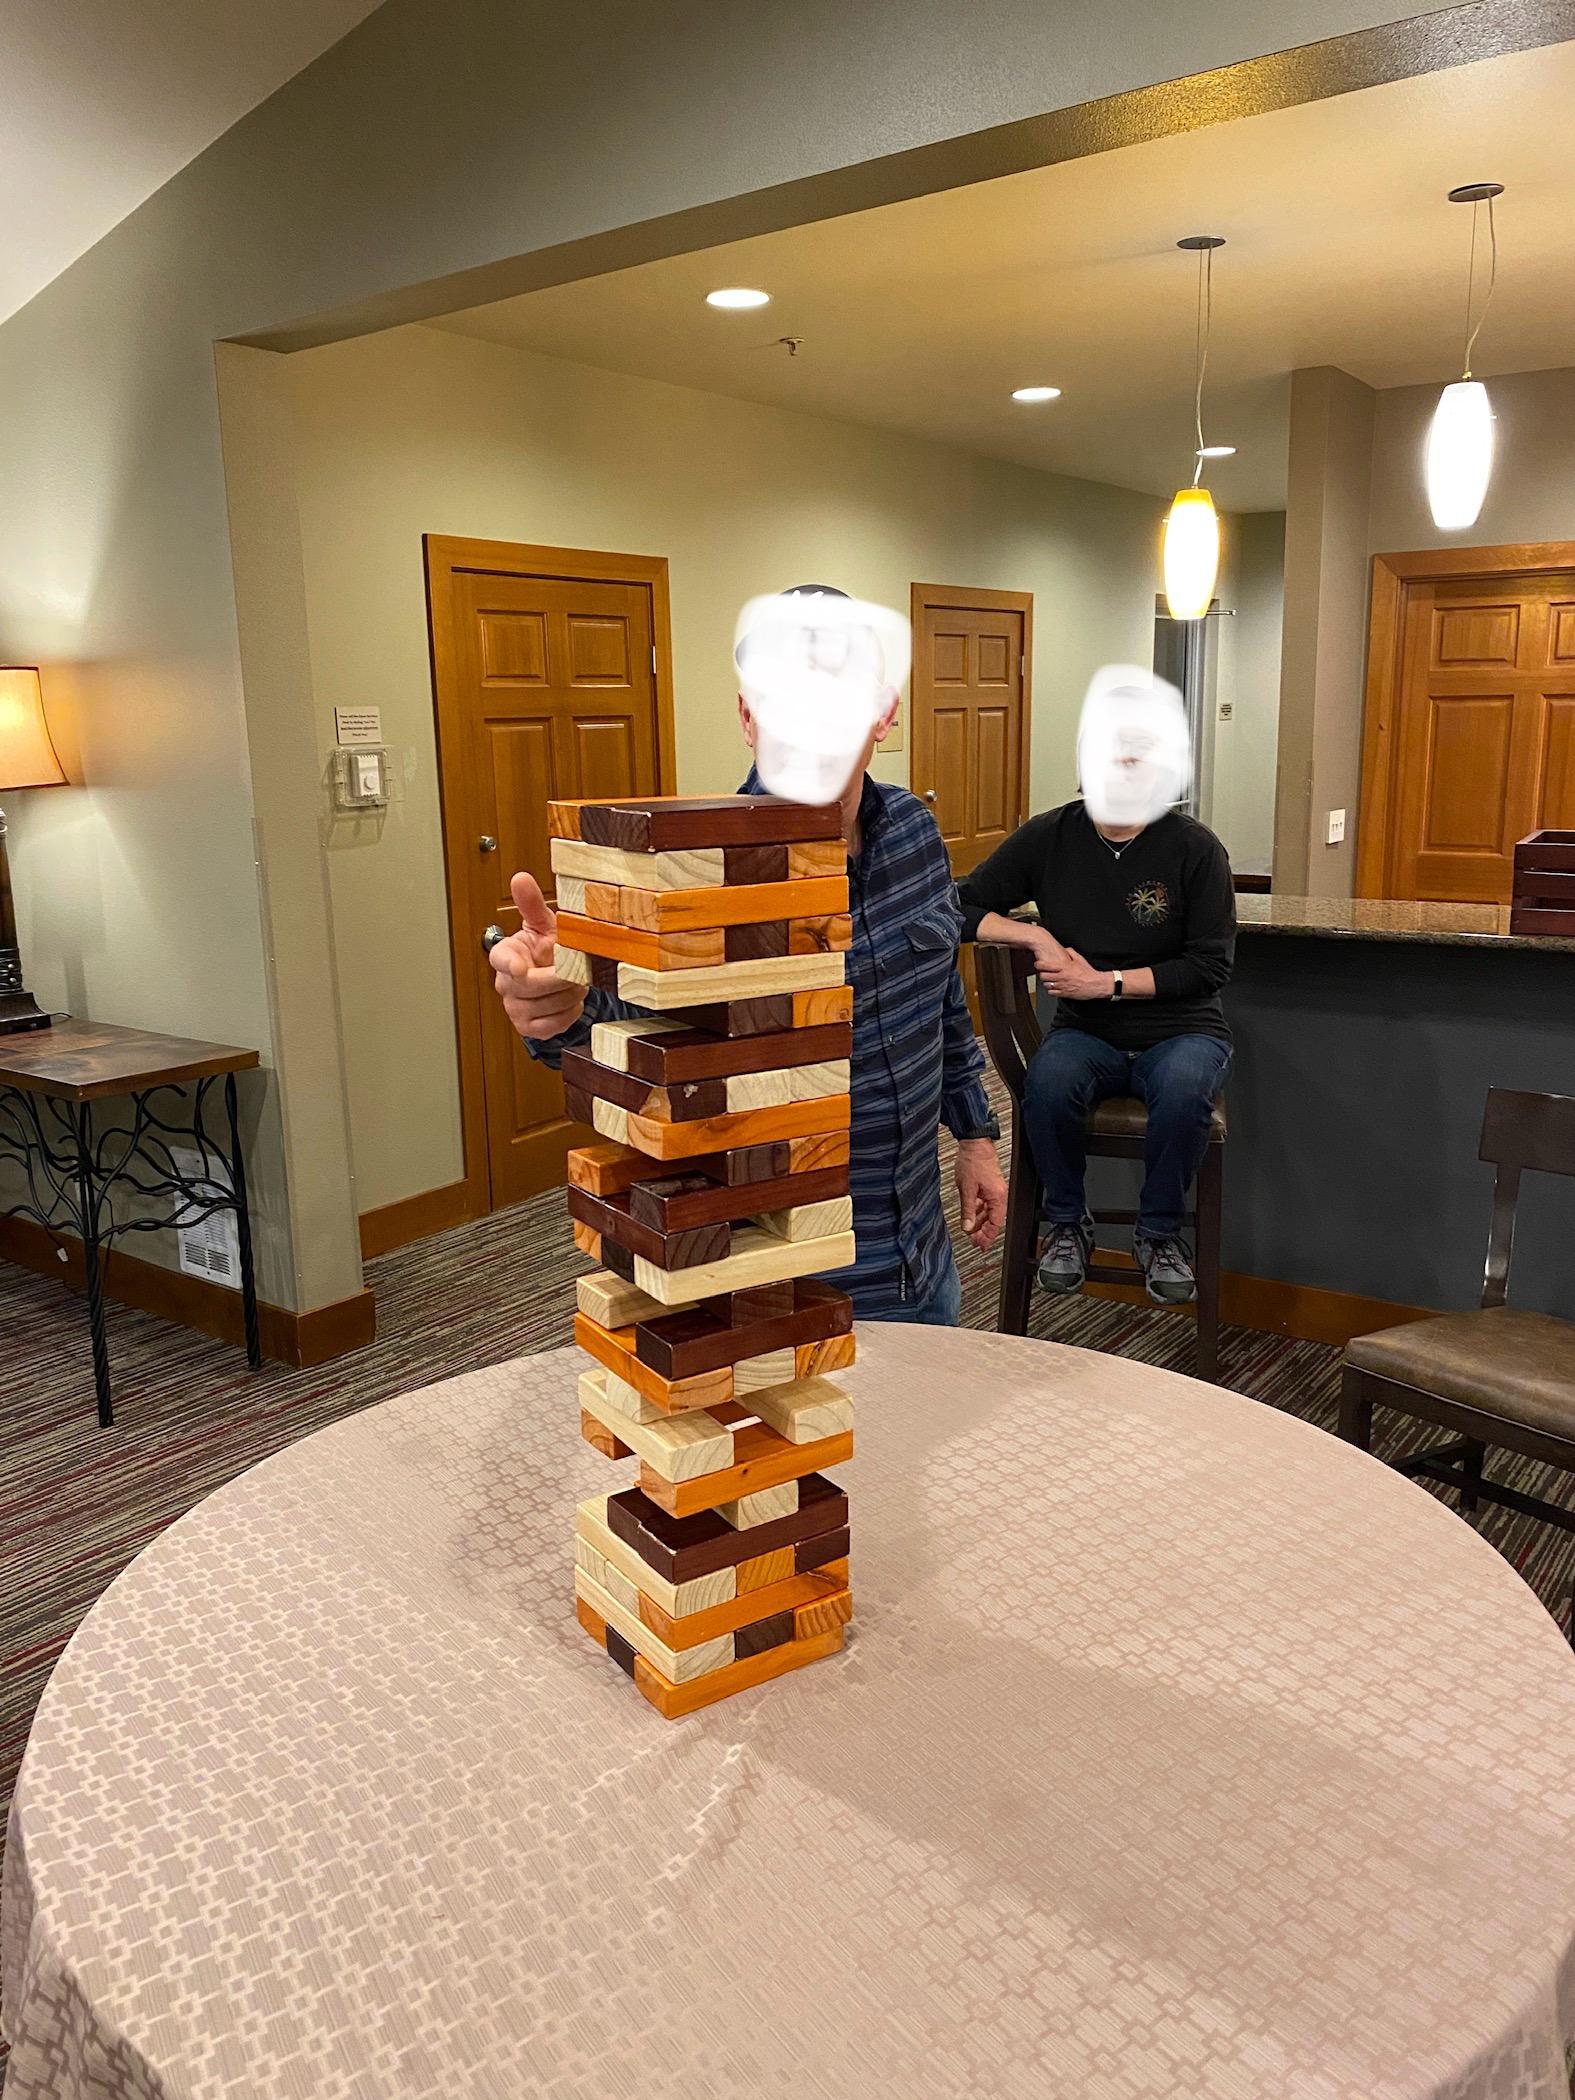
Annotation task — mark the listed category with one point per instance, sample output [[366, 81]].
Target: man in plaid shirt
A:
[[916, 1063]]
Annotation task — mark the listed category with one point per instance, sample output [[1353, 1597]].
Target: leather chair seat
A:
[[1128, 1118], [1517, 1365]]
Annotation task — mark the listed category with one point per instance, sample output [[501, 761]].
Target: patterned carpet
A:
[[77, 1503]]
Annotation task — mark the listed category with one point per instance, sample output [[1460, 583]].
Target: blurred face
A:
[[1134, 750], [819, 679]]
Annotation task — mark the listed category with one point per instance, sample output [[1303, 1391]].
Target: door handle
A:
[[487, 843], [490, 939], [929, 794]]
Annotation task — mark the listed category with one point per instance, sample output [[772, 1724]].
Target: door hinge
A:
[[653, 659]]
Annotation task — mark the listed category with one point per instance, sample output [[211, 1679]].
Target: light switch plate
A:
[[1336, 826]]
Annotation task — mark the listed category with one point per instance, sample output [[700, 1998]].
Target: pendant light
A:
[[1192, 530], [1460, 442]]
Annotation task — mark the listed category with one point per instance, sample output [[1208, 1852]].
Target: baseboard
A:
[[1296, 1309], [415, 1218], [302, 1340]]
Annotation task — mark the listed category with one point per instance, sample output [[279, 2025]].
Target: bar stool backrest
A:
[[1519, 1132], [1006, 1007]]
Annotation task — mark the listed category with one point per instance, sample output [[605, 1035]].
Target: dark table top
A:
[[83, 1060]]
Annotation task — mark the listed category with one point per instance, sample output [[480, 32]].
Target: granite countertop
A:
[[1387, 919]]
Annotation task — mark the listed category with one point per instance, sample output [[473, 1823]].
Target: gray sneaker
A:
[[1064, 1263], [1166, 1270]]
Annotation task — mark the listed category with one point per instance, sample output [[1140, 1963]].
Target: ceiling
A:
[[107, 99], [923, 316]]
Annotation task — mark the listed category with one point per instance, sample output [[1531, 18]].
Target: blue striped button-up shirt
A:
[[916, 1063]]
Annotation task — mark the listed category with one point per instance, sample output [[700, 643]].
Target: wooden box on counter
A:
[[1543, 900]]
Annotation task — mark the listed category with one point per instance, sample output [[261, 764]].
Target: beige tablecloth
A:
[[1179, 1751]]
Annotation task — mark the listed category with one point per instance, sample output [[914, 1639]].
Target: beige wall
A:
[[1532, 493], [1252, 585], [421, 431]]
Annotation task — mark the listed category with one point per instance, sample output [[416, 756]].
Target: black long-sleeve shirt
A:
[[1166, 899]]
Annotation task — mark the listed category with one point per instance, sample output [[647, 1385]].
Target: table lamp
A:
[[27, 759]]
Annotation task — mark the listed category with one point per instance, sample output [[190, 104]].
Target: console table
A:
[[101, 1173]]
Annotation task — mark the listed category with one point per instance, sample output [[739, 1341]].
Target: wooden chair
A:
[[1115, 1131], [1495, 1376]]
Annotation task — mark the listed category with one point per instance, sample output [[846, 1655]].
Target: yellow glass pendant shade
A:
[[1192, 554]]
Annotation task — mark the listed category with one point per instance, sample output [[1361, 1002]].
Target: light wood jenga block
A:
[[816, 1588], [677, 1665], [693, 868], [776, 1367], [805, 1410], [762, 1459], [662, 990], [610, 1039], [677, 1447], [758, 1257], [791, 1083], [610, 1302], [763, 1508], [810, 1221]]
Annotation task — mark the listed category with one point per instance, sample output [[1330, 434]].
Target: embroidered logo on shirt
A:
[[1149, 904]]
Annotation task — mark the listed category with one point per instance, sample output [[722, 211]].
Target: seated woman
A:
[[1135, 936]]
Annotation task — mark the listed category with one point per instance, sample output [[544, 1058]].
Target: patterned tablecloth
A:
[[1179, 1750]]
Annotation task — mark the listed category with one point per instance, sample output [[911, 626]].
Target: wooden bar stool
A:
[[1115, 1131]]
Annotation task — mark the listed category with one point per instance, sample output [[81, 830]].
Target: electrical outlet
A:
[[1226, 710], [1336, 826]]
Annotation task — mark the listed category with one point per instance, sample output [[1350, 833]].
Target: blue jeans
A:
[[942, 1308], [1177, 1082]]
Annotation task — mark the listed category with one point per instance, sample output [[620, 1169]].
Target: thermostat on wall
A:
[[361, 777]]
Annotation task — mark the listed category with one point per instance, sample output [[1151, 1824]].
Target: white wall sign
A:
[[358, 725]]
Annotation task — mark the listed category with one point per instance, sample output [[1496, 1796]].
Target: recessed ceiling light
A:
[[1036, 393], [736, 298], [1217, 452]]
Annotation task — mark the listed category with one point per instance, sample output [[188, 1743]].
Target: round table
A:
[[1178, 1749]]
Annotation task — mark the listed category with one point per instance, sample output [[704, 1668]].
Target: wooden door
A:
[[549, 667], [970, 714], [1471, 731]]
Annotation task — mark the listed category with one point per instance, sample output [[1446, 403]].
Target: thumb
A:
[[536, 916]]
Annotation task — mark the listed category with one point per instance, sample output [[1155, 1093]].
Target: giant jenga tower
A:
[[720, 1189]]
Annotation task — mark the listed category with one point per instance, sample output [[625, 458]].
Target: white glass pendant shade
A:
[[1459, 455], [1192, 554]]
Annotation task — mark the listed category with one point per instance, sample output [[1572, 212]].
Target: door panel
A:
[[970, 714], [546, 689], [1484, 730]]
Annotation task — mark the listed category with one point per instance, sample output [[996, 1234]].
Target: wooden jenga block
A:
[[680, 1599], [815, 1009], [740, 904], [813, 1155], [660, 990], [827, 1114], [674, 1701], [672, 1448], [749, 943], [821, 1587], [804, 1410], [822, 1614], [809, 858], [607, 1218], [613, 1302], [830, 932], [750, 865], [587, 1240], [812, 1359], [675, 1664], [753, 1373], [682, 1548], [607, 1170], [708, 1337], [571, 891], [646, 871], [667, 823], [667, 1052], [652, 951], [809, 1221], [613, 1348], [757, 1257], [789, 1083], [601, 1438], [762, 1459], [688, 1199], [764, 1507], [563, 819]]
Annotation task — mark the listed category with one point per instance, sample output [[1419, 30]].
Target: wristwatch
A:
[[1118, 985], [991, 1130]]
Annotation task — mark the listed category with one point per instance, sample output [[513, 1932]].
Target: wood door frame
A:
[[444, 557], [925, 597], [1385, 641]]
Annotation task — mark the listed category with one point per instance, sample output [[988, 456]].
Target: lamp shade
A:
[[1459, 455], [1192, 554], [27, 757]]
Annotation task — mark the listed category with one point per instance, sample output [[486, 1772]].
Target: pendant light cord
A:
[[1201, 348], [1471, 278]]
